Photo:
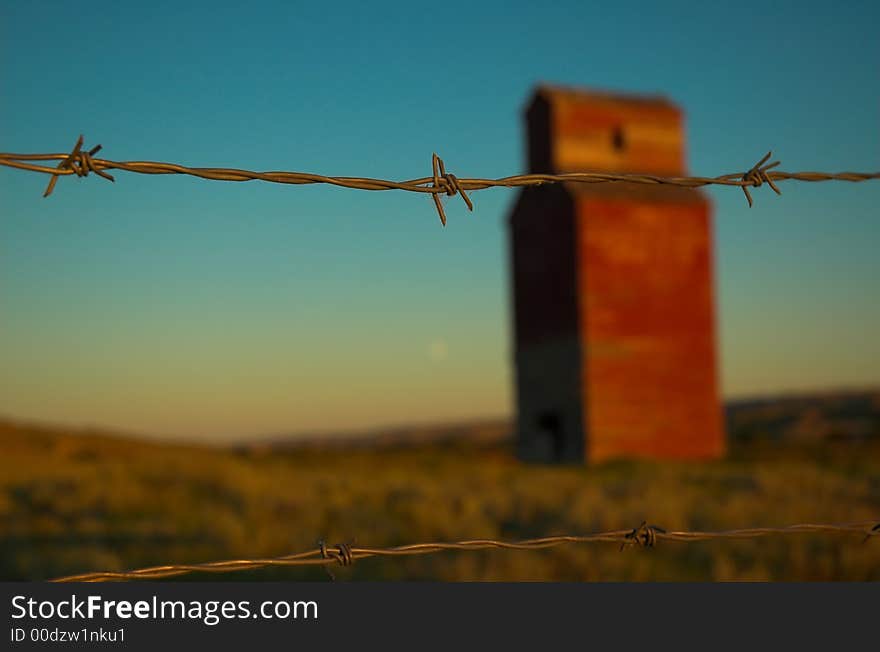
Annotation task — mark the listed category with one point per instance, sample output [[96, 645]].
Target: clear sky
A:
[[175, 306]]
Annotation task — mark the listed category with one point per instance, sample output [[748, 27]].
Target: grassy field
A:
[[79, 502]]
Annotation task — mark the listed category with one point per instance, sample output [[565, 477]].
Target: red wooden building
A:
[[612, 288]]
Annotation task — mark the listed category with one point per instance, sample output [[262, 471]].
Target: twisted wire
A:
[[81, 163], [345, 554]]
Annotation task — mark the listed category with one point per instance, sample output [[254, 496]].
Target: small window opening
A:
[[617, 139]]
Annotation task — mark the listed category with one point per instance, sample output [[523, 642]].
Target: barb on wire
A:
[[346, 553], [758, 175], [644, 536], [341, 553], [80, 163], [450, 182]]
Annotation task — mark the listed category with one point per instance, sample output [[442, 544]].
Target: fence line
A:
[[81, 162], [346, 554]]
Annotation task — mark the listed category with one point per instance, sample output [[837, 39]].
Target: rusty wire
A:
[[345, 554], [81, 162]]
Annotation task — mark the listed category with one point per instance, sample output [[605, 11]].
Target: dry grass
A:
[[73, 503]]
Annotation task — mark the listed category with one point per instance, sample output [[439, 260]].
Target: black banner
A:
[[227, 615]]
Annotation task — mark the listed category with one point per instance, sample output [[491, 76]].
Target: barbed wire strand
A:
[[345, 554], [82, 162]]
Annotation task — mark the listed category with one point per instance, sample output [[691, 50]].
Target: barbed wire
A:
[[82, 162], [345, 554]]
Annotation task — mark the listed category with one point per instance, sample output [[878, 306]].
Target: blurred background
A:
[[195, 370]]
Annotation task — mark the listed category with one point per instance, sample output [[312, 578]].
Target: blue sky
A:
[[174, 306]]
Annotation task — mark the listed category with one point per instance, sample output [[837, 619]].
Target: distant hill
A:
[[844, 415], [818, 416], [487, 432]]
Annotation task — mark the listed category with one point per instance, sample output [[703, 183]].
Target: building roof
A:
[[550, 92]]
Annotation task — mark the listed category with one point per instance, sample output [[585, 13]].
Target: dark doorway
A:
[[550, 428]]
